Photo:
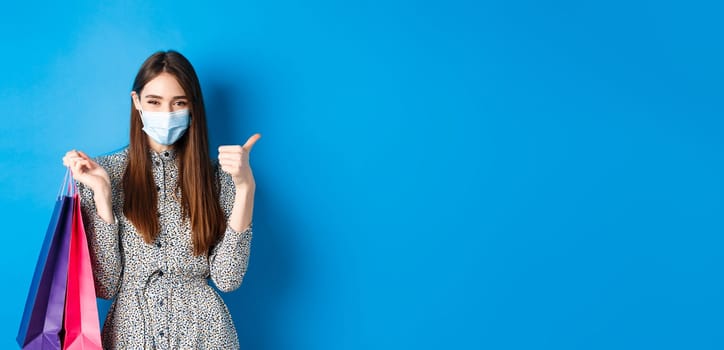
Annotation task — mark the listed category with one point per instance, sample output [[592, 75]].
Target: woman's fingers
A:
[[236, 148], [83, 155], [72, 156], [226, 166], [231, 155], [231, 163], [76, 169], [81, 166], [251, 141], [71, 160], [234, 159], [230, 149], [68, 156], [85, 170]]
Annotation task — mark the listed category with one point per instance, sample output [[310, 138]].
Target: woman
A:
[[161, 219]]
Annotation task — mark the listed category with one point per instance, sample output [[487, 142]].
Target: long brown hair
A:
[[199, 192]]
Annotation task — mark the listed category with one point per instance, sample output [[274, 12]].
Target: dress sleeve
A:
[[230, 257], [103, 243]]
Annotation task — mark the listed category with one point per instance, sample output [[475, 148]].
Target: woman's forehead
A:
[[164, 85]]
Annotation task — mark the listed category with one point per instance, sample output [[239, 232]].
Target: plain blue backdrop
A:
[[432, 174]]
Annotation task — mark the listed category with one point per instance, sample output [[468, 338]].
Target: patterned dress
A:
[[162, 296]]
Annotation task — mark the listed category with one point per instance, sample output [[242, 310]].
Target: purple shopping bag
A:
[[43, 315]]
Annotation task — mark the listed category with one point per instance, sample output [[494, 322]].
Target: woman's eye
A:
[[152, 102], [181, 103]]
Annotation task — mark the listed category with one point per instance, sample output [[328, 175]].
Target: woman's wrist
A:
[[242, 211], [245, 188], [104, 206]]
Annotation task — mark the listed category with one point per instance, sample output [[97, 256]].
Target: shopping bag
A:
[[43, 315], [81, 324]]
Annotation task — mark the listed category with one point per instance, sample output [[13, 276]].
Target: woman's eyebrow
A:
[[161, 98]]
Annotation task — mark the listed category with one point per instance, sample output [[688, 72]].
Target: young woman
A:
[[162, 219]]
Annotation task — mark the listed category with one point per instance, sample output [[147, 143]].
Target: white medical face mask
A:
[[165, 127]]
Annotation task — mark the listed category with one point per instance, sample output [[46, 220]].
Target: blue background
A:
[[450, 174]]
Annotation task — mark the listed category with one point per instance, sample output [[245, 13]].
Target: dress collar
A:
[[167, 155]]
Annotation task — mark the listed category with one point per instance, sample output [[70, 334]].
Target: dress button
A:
[[160, 273], [165, 154], [158, 244]]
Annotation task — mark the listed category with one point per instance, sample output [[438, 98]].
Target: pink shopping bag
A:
[[81, 324]]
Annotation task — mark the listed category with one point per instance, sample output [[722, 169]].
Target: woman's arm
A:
[[95, 191], [104, 205], [103, 241], [241, 213], [230, 257], [234, 160]]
